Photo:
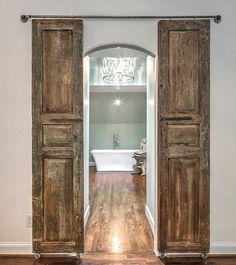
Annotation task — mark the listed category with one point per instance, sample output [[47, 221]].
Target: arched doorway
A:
[[115, 225]]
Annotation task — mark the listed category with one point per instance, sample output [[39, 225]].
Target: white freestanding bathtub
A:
[[114, 160]]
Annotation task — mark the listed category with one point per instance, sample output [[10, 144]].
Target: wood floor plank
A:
[[93, 258], [117, 220]]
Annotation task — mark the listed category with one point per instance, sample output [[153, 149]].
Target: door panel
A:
[[58, 199], [180, 134], [183, 201], [183, 75], [57, 136], [57, 62], [183, 133]]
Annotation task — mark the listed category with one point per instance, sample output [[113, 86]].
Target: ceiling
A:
[[118, 52], [123, 88]]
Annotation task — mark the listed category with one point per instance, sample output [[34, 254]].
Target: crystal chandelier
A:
[[118, 70]]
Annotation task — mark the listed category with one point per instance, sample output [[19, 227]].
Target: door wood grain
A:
[[57, 115], [183, 136]]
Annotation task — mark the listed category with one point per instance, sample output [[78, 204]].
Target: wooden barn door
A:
[[183, 156], [57, 136]]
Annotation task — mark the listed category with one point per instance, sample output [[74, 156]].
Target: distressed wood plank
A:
[[183, 136], [57, 96]]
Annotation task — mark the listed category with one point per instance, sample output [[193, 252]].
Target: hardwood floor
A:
[[117, 220], [115, 259]]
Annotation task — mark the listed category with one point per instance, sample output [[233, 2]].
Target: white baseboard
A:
[[149, 218], [217, 247], [223, 247], [86, 215], [26, 247], [15, 248], [92, 164]]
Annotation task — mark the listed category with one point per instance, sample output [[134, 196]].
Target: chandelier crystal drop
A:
[[118, 70]]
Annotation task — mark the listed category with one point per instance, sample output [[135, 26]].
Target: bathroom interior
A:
[[120, 106]]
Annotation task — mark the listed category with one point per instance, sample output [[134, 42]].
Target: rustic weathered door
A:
[[57, 100], [183, 156]]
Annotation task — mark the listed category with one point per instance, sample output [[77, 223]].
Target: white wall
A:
[[15, 100], [128, 120]]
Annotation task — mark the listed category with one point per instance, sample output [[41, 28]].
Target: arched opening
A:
[[119, 149]]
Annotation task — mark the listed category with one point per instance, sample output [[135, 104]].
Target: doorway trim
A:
[[121, 45]]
